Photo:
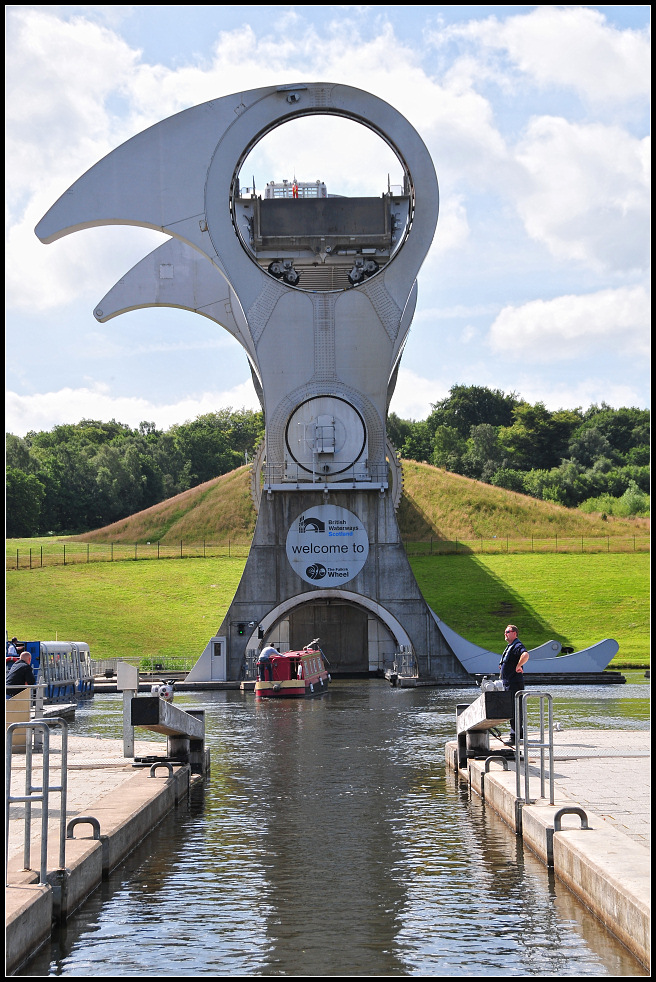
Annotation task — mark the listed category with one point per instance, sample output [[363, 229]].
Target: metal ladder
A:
[[38, 793], [521, 699]]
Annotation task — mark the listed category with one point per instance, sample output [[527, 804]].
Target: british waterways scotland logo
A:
[[327, 543]]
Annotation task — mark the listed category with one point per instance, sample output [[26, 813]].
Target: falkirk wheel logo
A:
[[328, 544]]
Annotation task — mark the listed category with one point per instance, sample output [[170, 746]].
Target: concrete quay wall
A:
[[125, 818], [608, 870]]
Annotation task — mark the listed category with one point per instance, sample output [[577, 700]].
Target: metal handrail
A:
[[405, 662], [310, 473], [521, 698], [35, 793]]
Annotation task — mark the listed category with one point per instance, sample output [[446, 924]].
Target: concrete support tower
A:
[[320, 292]]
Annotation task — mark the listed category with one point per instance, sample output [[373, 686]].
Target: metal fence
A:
[[515, 544], [71, 553]]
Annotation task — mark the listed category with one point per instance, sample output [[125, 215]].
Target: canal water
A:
[[329, 840]]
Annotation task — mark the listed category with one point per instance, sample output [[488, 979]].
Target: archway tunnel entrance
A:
[[355, 641]]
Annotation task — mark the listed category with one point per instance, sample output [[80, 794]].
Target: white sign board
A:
[[327, 544], [127, 677]]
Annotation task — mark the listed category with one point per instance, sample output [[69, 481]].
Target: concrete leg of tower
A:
[[384, 587]]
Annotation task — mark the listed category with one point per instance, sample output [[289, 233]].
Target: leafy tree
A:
[[483, 455], [509, 478], [590, 445], [23, 503], [538, 438], [448, 449], [418, 444], [471, 405], [398, 430], [625, 428]]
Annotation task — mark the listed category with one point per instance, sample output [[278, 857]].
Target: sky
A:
[[537, 121]]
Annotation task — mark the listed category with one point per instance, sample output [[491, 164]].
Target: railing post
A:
[[29, 797]]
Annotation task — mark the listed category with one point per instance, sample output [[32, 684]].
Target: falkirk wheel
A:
[[320, 292]]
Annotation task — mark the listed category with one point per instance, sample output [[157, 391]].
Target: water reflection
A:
[[330, 840]]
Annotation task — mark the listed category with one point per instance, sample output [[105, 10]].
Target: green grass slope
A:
[[219, 510], [435, 504], [439, 504], [166, 610]]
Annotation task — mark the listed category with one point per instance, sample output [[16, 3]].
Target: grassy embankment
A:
[[166, 610]]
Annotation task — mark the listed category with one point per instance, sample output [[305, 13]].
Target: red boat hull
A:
[[293, 675]]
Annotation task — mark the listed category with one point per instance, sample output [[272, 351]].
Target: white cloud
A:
[[571, 46], [40, 278], [414, 395], [77, 89], [582, 393], [588, 196], [569, 326], [45, 410]]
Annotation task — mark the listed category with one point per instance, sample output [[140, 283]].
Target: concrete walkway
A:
[[609, 773], [96, 768], [604, 855]]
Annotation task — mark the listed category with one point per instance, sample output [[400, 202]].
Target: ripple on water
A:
[[329, 840]]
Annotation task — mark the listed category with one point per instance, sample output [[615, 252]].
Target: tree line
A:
[[588, 458], [82, 476]]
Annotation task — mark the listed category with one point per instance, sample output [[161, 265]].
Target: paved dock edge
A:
[[604, 868], [31, 909]]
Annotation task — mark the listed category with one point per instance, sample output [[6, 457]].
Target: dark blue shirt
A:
[[509, 660], [20, 673]]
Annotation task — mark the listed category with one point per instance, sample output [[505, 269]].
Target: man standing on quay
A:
[[512, 673]]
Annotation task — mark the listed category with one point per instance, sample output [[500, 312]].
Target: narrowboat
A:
[[294, 674]]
